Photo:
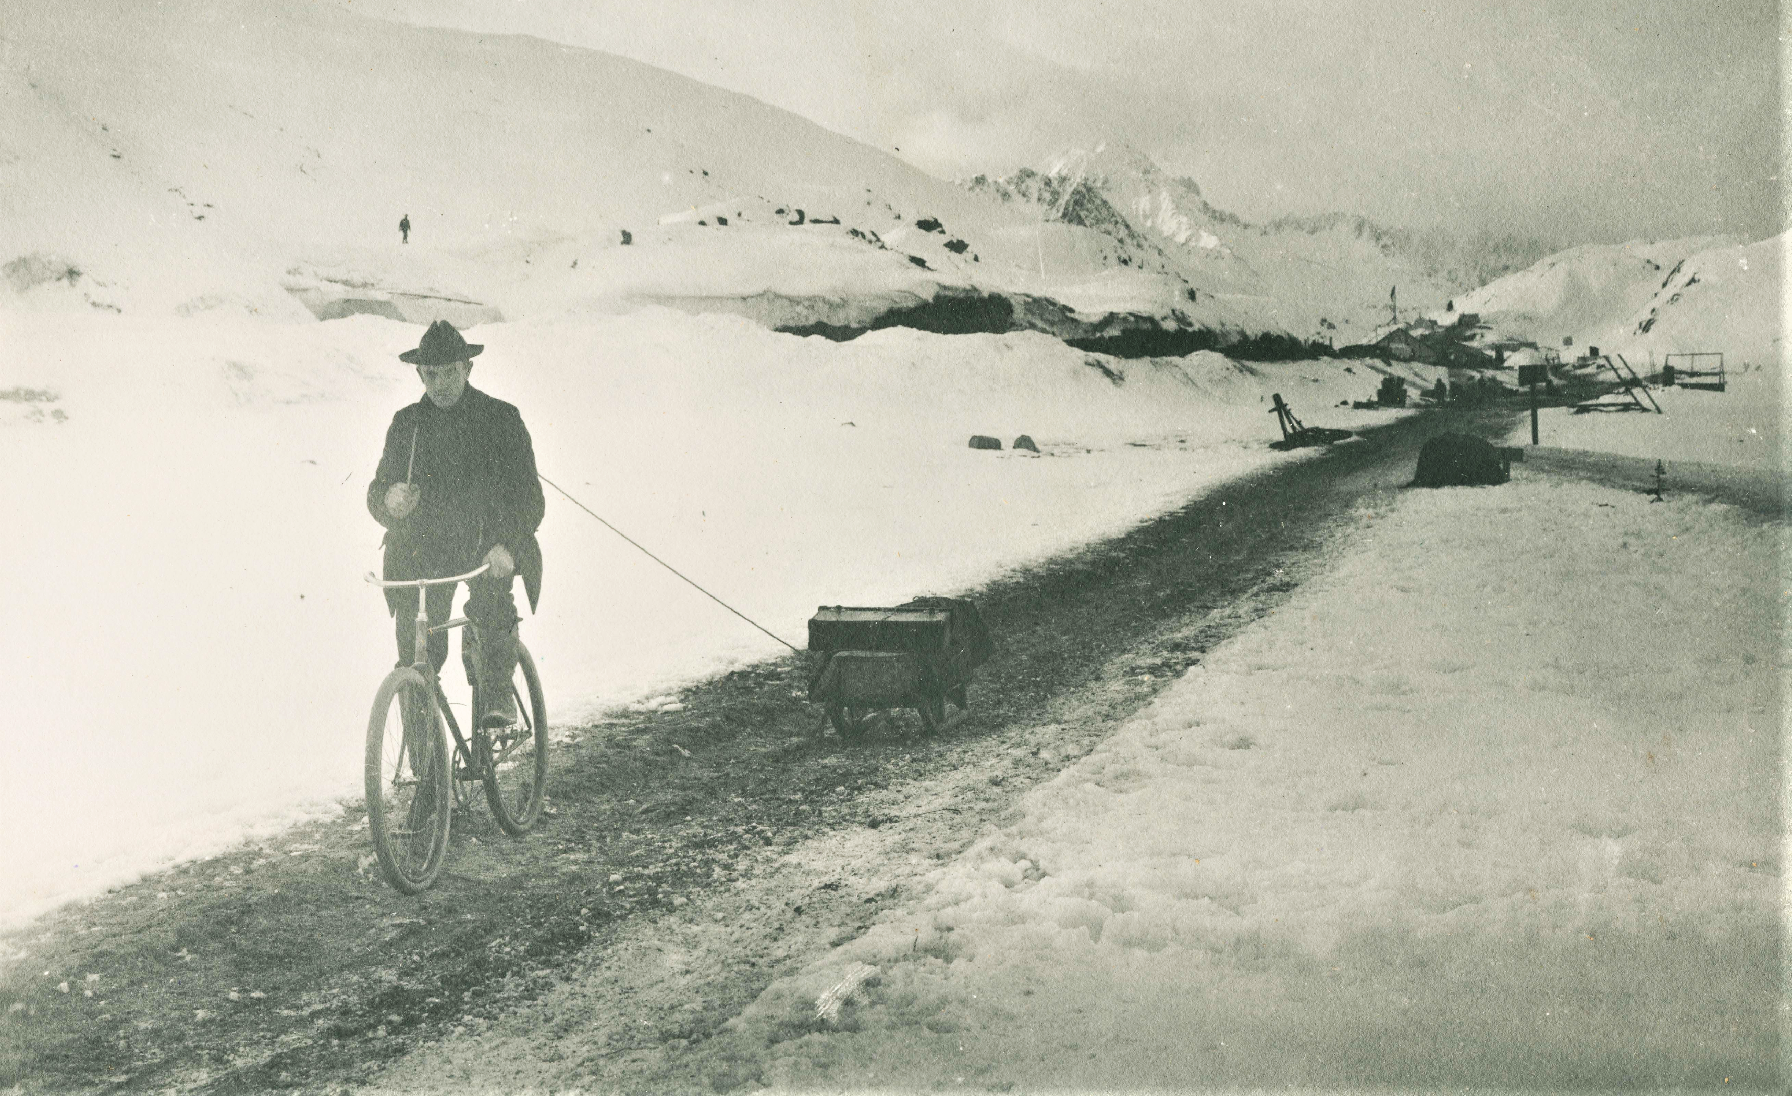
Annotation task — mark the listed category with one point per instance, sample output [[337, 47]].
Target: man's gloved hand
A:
[[402, 498], [503, 566]]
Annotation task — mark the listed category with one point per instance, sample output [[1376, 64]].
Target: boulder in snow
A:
[[1460, 460], [984, 441], [1025, 441]]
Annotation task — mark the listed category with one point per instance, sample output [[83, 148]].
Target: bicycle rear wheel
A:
[[515, 758], [408, 794]]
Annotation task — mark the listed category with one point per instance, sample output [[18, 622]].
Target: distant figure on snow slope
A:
[[456, 487], [404, 229]]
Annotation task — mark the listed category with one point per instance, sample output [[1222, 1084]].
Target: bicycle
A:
[[414, 778]]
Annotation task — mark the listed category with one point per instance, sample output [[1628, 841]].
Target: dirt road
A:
[[691, 856]]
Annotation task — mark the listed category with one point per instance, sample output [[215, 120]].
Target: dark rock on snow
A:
[[1459, 460]]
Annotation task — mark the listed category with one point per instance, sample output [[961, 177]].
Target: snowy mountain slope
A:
[[1577, 291], [191, 155], [1728, 297], [1461, 259], [193, 152], [81, 227], [1699, 293]]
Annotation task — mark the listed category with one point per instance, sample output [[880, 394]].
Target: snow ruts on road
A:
[[1083, 643]]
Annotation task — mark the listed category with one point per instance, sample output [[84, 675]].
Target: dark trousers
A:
[[491, 606]]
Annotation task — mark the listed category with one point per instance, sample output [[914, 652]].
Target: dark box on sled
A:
[[925, 631]]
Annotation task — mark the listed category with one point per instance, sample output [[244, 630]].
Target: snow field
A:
[[199, 649], [1742, 426], [1493, 801], [181, 659]]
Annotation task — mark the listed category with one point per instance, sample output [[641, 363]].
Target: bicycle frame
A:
[[420, 649]]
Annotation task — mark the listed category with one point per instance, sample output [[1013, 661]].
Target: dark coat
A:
[[476, 466]]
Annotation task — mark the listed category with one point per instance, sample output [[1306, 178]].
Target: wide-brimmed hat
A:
[[441, 344]]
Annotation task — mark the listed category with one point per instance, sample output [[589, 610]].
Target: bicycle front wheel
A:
[[515, 758], [408, 795]]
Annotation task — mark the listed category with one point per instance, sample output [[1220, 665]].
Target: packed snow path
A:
[[731, 803]]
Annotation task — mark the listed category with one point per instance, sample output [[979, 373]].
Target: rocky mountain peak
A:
[[1107, 163]]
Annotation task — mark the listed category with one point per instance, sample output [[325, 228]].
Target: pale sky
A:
[[1574, 120]]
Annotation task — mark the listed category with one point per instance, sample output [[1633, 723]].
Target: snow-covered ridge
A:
[[1642, 298], [255, 158]]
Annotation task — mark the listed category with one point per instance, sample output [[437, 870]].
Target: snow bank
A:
[[1529, 836], [201, 649]]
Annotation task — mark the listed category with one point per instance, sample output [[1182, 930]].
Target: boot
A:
[[497, 698]]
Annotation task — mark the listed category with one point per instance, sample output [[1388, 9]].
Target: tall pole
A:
[[1533, 412]]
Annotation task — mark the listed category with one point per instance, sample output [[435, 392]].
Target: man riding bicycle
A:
[[456, 487]]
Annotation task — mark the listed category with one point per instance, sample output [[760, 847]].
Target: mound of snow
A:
[[1578, 291], [1729, 298]]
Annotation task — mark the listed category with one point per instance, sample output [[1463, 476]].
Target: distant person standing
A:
[[404, 229]]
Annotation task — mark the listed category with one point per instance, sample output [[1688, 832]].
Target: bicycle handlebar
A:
[[419, 583]]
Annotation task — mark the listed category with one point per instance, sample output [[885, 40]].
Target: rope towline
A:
[[664, 564]]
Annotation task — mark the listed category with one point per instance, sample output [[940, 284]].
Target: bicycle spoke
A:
[[405, 766], [516, 756]]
